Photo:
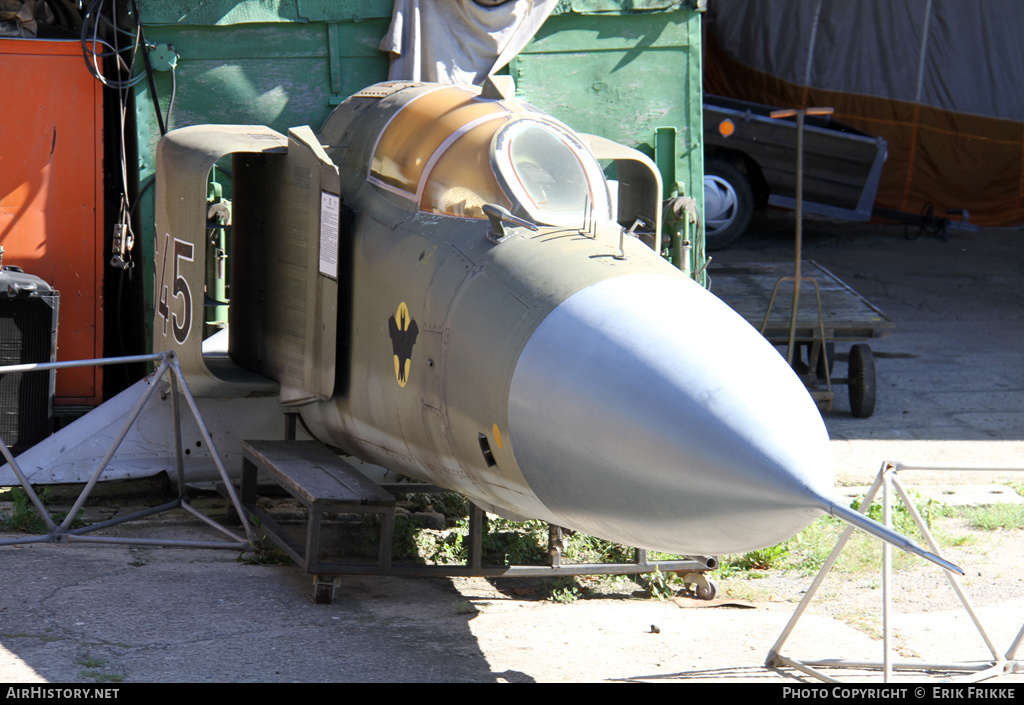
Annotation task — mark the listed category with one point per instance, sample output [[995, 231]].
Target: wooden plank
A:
[[340, 471], [315, 473]]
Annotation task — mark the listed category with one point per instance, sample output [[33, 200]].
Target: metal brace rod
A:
[[113, 448], [168, 364], [176, 368], [36, 502]]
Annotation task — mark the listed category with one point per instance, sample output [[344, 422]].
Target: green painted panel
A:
[[269, 42], [233, 12], [623, 76], [280, 75], [602, 66], [338, 10], [635, 33], [260, 63]]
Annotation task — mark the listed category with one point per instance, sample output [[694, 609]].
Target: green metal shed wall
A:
[[617, 68]]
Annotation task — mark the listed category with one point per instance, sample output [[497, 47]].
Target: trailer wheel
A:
[[728, 203], [862, 381]]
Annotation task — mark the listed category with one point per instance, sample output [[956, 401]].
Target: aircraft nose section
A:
[[645, 411]]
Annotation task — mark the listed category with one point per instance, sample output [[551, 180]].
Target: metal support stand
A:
[[979, 670], [168, 364], [825, 398]]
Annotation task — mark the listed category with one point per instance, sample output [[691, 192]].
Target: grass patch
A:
[[95, 675], [506, 542], [23, 516], [262, 551], [807, 552], [466, 607], [566, 590], [88, 662], [902, 520], [661, 586], [1008, 517]]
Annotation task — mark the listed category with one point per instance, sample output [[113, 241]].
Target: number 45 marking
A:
[[181, 326]]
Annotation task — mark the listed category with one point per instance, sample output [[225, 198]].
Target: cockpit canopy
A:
[[453, 151]]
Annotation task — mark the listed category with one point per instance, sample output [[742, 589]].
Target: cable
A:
[[96, 22], [149, 71]]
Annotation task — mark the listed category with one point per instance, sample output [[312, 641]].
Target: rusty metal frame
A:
[[474, 566], [167, 363], [691, 567]]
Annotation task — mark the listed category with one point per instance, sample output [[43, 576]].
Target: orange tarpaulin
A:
[[939, 81]]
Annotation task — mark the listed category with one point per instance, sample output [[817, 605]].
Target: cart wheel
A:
[[707, 593], [698, 586], [862, 381]]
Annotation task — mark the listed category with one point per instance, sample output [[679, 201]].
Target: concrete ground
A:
[[951, 391], [951, 374]]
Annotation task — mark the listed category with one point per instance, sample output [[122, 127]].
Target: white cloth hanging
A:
[[459, 41]]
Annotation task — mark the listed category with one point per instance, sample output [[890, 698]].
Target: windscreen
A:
[[550, 174], [453, 152]]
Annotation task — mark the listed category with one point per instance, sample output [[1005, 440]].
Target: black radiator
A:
[[28, 333]]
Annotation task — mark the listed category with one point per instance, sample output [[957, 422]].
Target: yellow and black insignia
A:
[[403, 331]]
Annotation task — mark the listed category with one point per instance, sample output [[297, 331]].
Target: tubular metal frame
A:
[[978, 670], [167, 364]]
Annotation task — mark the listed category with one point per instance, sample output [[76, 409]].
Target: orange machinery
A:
[[51, 193]]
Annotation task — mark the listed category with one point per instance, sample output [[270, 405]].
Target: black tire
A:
[[862, 381], [728, 203]]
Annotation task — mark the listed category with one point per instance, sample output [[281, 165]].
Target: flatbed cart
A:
[[752, 290]]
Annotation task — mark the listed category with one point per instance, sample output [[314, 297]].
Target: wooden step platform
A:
[[324, 483]]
